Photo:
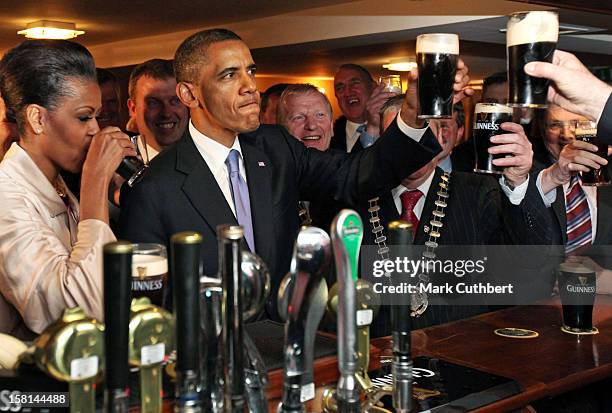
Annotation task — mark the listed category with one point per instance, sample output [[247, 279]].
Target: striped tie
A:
[[578, 218]]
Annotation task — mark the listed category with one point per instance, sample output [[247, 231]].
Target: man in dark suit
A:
[[360, 100], [585, 236], [479, 211], [227, 169]]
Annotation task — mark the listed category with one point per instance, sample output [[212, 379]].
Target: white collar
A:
[[213, 152], [424, 187]]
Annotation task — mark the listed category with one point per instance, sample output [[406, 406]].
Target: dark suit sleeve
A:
[[604, 127], [528, 223], [355, 177], [141, 216]]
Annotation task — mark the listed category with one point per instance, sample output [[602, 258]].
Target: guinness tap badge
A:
[[72, 349], [151, 340]]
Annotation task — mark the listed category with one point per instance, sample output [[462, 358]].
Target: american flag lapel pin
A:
[[261, 163]]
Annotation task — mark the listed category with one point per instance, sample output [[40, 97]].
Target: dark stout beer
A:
[[587, 131], [437, 55], [149, 272], [487, 120], [577, 289], [531, 36]]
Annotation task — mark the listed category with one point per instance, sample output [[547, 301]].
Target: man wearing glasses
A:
[[584, 213]]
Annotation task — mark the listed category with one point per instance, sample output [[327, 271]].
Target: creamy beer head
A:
[[532, 27], [435, 43], [492, 108], [148, 265]]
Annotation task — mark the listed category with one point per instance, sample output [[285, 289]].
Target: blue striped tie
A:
[[579, 230]]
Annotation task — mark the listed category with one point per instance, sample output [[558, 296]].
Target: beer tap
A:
[[185, 263], [72, 350], [400, 234], [311, 257], [346, 235], [117, 295], [151, 341], [230, 259], [255, 291]]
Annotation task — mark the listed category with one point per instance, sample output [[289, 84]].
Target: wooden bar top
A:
[[552, 363]]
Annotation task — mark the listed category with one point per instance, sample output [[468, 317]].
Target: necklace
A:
[[419, 301]]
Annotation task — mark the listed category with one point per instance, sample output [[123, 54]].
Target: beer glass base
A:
[[580, 331], [528, 105], [607, 183], [488, 172], [435, 116]]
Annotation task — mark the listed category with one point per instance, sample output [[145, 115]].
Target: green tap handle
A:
[[150, 389]]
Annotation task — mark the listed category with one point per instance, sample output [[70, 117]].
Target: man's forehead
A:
[[345, 75], [227, 53]]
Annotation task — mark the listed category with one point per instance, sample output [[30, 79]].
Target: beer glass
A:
[[132, 170], [392, 83], [149, 272], [487, 120], [577, 289], [531, 36], [437, 55], [587, 131]]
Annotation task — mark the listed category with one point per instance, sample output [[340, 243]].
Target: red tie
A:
[[579, 230], [409, 200]]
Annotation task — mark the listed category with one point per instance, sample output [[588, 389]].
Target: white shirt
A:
[[418, 207], [351, 134], [215, 154], [591, 196], [146, 151]]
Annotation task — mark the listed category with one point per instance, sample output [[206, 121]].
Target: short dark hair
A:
[[276, 89], [365, 73], [192, 51], [299, 89], [494, 79], [160, 69], [36, 72], [105, 76]]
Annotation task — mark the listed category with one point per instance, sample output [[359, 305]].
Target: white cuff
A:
[[516, 195], [409, 131], [548, 198]]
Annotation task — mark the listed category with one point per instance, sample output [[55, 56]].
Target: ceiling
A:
[[302, 37]]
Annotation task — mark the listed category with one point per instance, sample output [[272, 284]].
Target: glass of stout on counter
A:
[[437, 55], [587, 131], [150, 272], [577, 288], [530, 36]]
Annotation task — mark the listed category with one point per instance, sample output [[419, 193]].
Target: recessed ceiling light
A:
[[405, 66], [47, 29]]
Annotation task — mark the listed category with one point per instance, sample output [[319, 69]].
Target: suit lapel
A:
[[559, 210], [200, 186], [259, 178]]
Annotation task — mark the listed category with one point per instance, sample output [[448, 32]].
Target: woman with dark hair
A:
[[50, 246]]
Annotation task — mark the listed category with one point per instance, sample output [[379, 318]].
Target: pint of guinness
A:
[[531, 36], [149, 272], [487, 120], [587, 131], [577, 289], [437, 55]]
